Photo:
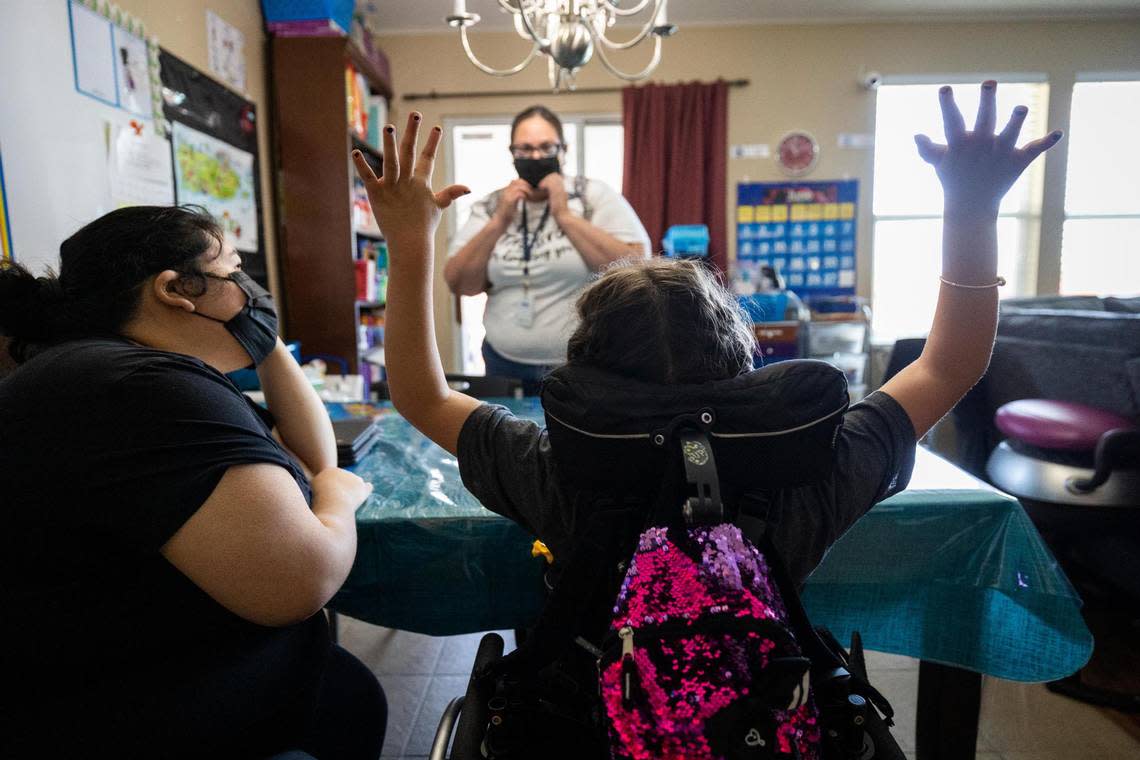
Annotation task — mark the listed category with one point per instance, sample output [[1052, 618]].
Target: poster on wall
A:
[[133, 74], [93, 56], [804, 230], [219, 177], [138, 165], [5, 222], [226, 51]]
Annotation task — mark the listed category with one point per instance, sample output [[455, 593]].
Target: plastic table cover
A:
[[949, 571]]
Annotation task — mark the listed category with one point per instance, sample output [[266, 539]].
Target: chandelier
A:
[[568, 32]]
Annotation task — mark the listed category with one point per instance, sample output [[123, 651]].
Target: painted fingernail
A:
[[989, 84], [1057, 135], [389, 129], [944, 90], [416, 116], [437, 129], [1021, 110]]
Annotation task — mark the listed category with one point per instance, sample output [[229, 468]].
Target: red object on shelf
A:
[[365, 279]]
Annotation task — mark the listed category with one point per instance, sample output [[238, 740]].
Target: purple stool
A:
[[1061, 452]]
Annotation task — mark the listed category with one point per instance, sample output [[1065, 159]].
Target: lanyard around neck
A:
[[529, 239]]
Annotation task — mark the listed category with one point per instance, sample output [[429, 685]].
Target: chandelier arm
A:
[[656, 59], [487, 69], [540, 42], [506, 5], [620, 11], [601, 38]]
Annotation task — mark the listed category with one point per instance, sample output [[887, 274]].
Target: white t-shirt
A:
[[557, 271]]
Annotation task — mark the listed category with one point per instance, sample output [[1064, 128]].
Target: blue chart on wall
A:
[[805, 230]]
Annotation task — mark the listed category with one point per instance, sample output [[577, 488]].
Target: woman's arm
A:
[[408, 213], [466, 272], [257, 548], [597, 247], [302, 421], [976, 169]]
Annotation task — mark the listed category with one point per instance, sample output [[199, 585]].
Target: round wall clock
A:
[[797, 153]]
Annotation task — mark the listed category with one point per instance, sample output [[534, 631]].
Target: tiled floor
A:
[[421, 674]]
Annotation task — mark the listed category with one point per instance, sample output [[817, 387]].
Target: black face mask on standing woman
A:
[[533, 170], [255, 326]]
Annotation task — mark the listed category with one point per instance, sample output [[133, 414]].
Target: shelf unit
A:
[[318, 228]]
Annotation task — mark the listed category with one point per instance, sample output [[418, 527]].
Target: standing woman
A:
[[165, 553], [533, 245]]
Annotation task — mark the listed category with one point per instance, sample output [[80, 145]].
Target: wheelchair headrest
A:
[[773, 427]]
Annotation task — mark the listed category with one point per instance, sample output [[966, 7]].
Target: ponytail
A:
[[33, 311], [102, 269]]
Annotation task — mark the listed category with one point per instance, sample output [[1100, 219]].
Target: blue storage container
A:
[[686, 240], [283, 11], [765, 307]]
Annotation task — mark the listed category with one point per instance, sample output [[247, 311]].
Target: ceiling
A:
[[403, 16]]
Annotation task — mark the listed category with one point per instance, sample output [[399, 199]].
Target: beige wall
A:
[[803, 77], [181, 29]]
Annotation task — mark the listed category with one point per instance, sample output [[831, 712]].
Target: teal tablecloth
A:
[[949, 571]]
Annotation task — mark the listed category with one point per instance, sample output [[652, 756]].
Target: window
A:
[[1100, 245], [907, 204], [480, 159]]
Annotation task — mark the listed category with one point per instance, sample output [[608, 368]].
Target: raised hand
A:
[[402, 200], [978, 167]]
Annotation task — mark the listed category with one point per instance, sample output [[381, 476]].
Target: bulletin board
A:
[[213, 133], [805, 230], [85, 128]]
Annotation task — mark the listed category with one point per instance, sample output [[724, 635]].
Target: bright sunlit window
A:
[[1100, 247], [907, 249], [480, 159]]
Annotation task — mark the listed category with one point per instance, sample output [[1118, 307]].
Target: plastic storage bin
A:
[[295, 14], [686, 241]]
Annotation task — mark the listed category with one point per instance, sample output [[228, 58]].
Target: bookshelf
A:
[[324, 226]]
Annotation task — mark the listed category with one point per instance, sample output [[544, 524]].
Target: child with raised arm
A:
[[669, 322]]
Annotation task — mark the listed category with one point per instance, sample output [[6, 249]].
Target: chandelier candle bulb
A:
[[459, 8], [662, 15]]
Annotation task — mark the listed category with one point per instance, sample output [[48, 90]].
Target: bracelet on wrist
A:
[[999, 282]]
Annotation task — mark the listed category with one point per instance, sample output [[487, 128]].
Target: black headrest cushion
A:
[[772, 428]]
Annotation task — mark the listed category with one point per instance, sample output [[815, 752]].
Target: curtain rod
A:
[[433, 95]]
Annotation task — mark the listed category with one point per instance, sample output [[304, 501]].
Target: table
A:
[[951, 572]]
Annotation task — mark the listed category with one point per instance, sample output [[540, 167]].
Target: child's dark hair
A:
[[543, 113], [102, 269], [662, 321]]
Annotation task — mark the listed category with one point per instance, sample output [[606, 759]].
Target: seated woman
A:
[[165, 558], [533, 245]]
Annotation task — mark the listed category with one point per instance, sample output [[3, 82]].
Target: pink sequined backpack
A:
[[702, 659]]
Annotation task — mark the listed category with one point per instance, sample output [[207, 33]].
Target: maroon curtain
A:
[[676, 157]]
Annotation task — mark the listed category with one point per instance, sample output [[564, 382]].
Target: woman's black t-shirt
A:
[[106, 449]]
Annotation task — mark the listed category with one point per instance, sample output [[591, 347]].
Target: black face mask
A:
[[255, 326], [534, 169]]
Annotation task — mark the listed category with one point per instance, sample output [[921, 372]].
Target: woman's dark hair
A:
[[102, 270], [662, 321], [543, 113]]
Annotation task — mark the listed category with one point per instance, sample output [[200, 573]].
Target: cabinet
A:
[[840, 332], [322, 227]]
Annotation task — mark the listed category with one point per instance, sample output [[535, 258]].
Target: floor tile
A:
[[390, 652], [877, 661], [405, 696], [900, 687], [1027, 720], [441, 690]]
